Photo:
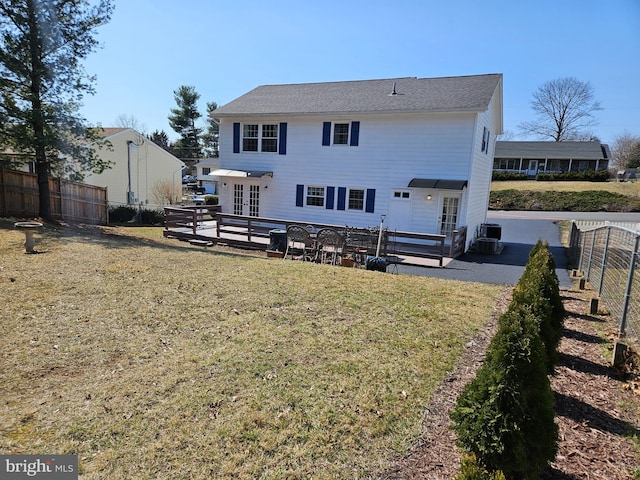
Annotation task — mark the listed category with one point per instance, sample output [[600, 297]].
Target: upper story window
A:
[[315, 196], [485, 140], [206, 170], [341, 133], [258, 137]]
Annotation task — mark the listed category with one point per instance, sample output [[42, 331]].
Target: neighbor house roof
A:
[[393, 95], [555, 150], [109, 131]]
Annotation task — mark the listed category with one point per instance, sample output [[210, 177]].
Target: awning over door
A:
[[222, 172], [437, 183]]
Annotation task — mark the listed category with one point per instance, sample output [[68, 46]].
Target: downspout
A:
[[129, 142]]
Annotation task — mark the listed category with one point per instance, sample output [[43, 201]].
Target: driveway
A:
[[520, 232]]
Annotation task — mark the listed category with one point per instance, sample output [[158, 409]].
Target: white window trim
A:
[[333, 134], [405, 195], [364, 199], [306, 196], [259, 138]]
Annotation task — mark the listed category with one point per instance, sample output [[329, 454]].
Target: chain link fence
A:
[[607, 256]]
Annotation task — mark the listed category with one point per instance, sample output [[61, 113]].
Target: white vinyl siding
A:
[[392, 150]]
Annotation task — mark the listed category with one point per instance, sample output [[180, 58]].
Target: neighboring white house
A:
[[203, 170], [417, 150], [143, 173]]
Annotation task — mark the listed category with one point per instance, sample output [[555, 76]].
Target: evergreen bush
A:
[[122, 214], [505, 415], [538, 290], [151, 217], [211, 199], [498, 176], [470, 469]]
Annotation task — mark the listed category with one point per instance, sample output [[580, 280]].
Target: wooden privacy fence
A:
[[70, 201]]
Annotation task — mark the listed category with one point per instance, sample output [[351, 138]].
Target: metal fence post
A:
[[627, 294], [593, 242], [604, 261], [583, 240]]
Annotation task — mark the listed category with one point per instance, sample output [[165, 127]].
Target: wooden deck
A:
[[206, 226]]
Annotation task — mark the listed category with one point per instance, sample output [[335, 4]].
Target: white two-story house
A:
[[417, 150]]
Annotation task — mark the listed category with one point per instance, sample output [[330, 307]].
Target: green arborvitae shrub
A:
[[470, 469], [538, 290], [505, 415]]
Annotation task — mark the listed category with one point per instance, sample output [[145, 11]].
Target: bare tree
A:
[[564, 110], [507, 136], [130, 121], [623, 150]]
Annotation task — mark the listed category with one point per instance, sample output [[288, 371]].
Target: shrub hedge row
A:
[[504, 417], [583, 201], [127, 214], [585, 176]]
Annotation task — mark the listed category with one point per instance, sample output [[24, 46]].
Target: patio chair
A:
[[298, 238], [331, 245]]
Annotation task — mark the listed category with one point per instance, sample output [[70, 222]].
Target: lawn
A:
[[154, 359], [631, 189]]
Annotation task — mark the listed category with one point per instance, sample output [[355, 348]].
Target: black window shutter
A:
[[282, 148], [236, 138], [331, 193], [342, 196], [299, 195], [370, 201], [355, 134], [326, 133]]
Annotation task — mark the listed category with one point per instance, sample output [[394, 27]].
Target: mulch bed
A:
[[597, 406]]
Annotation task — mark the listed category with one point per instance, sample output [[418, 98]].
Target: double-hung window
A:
[[258, 137], [315, 196], [356, 199], [340, 133]]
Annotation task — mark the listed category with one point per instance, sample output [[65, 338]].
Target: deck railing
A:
[[189, 216], [251, 232]]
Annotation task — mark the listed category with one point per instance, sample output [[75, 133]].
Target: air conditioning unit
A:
[[487, 245]]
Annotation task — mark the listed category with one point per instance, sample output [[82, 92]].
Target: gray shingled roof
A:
[[470, 93], [555, 150]]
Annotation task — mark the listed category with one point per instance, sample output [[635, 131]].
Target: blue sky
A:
[[226, 48]]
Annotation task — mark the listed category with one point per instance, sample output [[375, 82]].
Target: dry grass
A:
[[631, 189], [153, 359]]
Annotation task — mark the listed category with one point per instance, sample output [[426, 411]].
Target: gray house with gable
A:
[[532, 158]]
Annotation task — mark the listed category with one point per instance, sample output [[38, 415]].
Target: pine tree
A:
[[183, 121], [42, 84]]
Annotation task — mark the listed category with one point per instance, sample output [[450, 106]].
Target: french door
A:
[[449, 217], [246, 203]]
